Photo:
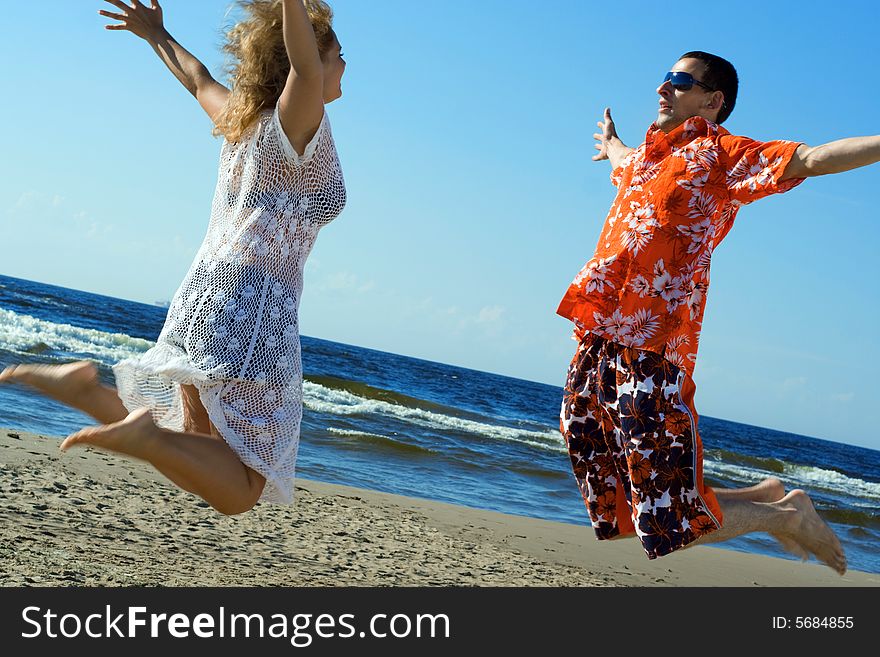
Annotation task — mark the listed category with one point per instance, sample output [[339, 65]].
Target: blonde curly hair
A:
[[260, 66]]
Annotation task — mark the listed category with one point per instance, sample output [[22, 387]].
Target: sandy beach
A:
[[87, 518]]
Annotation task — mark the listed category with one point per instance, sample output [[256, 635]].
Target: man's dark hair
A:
[[720, 75]]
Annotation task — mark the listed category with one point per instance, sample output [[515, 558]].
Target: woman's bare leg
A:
[[196, 460], [195, 415], [74, 384], [202, 464]]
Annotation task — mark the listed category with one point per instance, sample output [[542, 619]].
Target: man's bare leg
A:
[[769, 490], [74, 384], [202, 464], [793, 518]]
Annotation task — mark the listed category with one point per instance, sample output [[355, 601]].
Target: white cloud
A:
[[42, 208], [341, 281], [27, 201], [490, 314]]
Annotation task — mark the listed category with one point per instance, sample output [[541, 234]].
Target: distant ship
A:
[[162, 304]]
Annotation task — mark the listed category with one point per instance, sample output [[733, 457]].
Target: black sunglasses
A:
[[682, 81]]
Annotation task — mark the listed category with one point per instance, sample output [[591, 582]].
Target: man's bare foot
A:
[[74, 384], [769, 490], [791, 546], [131, 436], [810, 532], [773, 490]]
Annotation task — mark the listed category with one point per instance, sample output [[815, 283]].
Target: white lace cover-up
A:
[[232, 328]]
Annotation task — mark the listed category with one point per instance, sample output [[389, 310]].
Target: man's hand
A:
[[140, 20], [608, 144], [608, 132]]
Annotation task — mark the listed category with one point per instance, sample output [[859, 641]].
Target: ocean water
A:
[[424, 429]]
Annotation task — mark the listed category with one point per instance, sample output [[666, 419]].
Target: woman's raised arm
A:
[[301, 105], [147, 23]]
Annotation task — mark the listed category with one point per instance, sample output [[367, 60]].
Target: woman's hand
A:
[[140, 20], [146, 22]]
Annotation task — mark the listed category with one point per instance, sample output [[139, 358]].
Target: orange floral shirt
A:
[[678, 194]]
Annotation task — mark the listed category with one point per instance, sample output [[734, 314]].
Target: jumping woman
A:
[[216, 404]]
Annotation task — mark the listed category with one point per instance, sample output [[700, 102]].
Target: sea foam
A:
[[24, 334], [342, 402]]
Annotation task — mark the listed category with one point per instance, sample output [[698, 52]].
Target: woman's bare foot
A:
[[74, 384], [66, 383], [131, 436], [810, 532]]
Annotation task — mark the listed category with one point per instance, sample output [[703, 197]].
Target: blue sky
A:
[[465, 137]]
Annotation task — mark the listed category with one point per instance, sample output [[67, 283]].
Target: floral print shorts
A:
[[629, 422]]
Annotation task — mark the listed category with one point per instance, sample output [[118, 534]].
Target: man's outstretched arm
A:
[[608, 143], [833, 157]]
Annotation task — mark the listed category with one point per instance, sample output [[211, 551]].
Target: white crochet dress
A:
[[232, 328]]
